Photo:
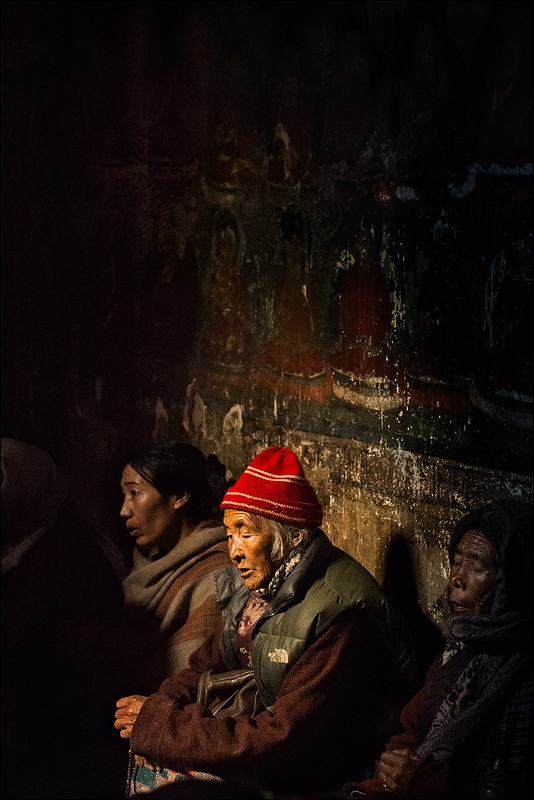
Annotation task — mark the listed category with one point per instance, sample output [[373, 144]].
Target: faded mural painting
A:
[[315, 233]]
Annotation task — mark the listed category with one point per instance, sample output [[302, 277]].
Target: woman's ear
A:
[[297, 539], [181, 501]]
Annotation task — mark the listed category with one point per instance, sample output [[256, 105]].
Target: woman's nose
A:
[[234, 551], [457, 579], [125, 510]]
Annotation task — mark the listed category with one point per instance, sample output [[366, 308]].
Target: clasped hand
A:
[[397, 768], [128, 709]]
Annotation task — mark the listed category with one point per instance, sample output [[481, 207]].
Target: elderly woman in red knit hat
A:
[[328, 659]]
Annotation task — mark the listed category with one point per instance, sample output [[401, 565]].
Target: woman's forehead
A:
[[475, 541], [130, 477], [233, 516]]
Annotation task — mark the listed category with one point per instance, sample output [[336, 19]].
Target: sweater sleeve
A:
[[323, 723], [410, 715], [182, 687]]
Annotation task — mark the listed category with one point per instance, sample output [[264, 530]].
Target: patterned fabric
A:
[[255, 608], [274, 486], [513, 737], [144, 779], [289, 563]]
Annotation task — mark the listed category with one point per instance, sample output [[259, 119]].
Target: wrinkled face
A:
[[473, 573], [250, 548], [150, 516]]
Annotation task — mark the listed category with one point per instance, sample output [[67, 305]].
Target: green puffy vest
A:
[[280, 638]]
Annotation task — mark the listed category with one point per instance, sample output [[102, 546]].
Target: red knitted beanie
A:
[[274, 485]]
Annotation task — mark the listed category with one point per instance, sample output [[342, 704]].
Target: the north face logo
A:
[[279, 656]]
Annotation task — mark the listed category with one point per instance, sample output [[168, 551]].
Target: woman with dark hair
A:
[[170, 510], [472, 721]]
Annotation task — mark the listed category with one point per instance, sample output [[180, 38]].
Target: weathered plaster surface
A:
[[241, 228]]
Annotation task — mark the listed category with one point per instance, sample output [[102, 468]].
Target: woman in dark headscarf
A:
[[474, 713]]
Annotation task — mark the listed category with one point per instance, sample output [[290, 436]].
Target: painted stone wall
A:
[[372, 494], [245, 224]]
